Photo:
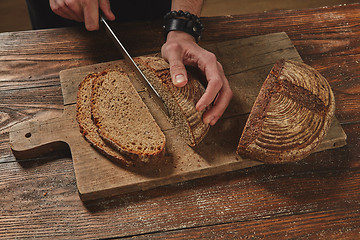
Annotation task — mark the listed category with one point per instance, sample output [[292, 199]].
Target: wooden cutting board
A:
[[246, 63]]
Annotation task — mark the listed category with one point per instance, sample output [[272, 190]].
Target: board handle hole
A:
[[28, 135]]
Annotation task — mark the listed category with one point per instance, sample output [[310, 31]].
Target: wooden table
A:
[[318, 198]]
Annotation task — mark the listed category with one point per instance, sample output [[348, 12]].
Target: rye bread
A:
[[180, 102], [124, 121], [87, 126], [290, 116]]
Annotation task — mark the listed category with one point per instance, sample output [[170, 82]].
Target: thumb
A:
[[106, 9], [178, 72]]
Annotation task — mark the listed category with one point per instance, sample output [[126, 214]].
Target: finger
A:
[[65, 13], [61, 9], [173, 54], [215, 83], [222, 101], [178, 73], [106, 9], [76, 10], [91, 14]]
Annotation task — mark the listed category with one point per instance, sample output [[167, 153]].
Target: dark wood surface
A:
[[318, 198], [246, 62]]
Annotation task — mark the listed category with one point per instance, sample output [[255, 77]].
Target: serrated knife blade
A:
[[129, 60]]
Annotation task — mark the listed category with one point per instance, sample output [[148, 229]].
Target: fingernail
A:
[[201, 108], [179, 78], [208, 120], [213, 121]]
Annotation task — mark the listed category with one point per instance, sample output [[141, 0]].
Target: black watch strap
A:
[[183, 25], [183, 21]]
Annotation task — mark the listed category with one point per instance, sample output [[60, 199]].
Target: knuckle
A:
[[70, 3], [62, 4], [55, 9], [220, 66], [228, 89], [172, 47], [210, 57], [216, 115], [57, 6], [217, 83], [85, 2], [176, 66], [230, 94], [227, 92], [207, 59]]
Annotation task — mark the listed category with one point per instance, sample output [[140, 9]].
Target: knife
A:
[[128, 59]]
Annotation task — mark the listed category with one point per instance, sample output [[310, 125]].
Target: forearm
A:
[[191, 6]]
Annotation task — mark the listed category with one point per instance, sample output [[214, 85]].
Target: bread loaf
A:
[[87, 126], [180, 101], [114, 119], [290, 116], [123, 120]]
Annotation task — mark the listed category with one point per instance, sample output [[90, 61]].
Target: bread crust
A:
[[87, 127], [180, 102], [138, 158], [291, 115]]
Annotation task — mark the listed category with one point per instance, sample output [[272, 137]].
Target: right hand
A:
[[86, 11]]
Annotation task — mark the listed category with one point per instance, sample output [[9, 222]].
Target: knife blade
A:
[[129, 60]]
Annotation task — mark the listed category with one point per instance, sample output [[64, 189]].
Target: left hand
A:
[[181, 49]]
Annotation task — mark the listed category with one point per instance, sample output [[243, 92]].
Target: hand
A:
[[83, 11], [180, 49]]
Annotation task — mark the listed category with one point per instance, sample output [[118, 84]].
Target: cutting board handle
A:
[[34, 138]]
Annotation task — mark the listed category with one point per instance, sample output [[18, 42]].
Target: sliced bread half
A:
[[180, 102], [290, 116]]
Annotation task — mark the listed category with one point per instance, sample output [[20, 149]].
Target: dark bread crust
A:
[[181, 102], [291, 115], [138, 157], [87, 127]]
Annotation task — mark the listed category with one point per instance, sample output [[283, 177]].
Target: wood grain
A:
[[312, 227], [98, 177], [315, 198], [41, 196], [326, 38]]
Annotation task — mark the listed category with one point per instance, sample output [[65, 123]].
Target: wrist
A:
[[179, 35], [184, 22]]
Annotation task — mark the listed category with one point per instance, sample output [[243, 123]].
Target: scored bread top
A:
[[180, 101], [123, 120], [291, 115], [87, 126]]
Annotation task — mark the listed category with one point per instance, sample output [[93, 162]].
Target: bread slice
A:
[[124, 121], [87, 126], [290, 116], [180, 102]]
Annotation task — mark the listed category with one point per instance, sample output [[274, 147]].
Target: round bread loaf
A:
[[291, 115]]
